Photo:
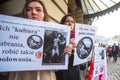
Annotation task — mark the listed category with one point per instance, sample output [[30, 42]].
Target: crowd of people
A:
[[112, 52]]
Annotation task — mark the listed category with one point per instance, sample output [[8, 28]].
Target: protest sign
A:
[[32, 45], [85, 36], [100, 66]]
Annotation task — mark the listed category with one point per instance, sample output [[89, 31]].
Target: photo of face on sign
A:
[[84, 47], [34, 42]]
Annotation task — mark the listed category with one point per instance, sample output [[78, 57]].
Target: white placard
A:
[[85, 36], [32, 45], [100, 66]]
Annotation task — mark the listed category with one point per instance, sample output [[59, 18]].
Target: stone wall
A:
[[12, 7], [75, 11], [55, 8]]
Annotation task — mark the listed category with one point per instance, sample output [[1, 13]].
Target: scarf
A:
[[72, 35]]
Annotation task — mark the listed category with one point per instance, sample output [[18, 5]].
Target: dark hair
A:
[[64, 19], [26, 6]]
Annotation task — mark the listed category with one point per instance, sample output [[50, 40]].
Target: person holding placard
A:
[[73, 72], [35, 10]]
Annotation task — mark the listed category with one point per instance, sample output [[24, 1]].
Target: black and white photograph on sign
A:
[[84, 47], [54, 44], [102, 54], [34, 42], [99, 54]]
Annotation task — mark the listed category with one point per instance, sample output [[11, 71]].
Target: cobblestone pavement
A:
[[113, 70]]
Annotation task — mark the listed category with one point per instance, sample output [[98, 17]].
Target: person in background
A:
[[109, 53], [115, 50], [73, 72], [35, 10]]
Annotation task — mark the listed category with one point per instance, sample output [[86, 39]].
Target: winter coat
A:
[[32, 75], [73, 72]]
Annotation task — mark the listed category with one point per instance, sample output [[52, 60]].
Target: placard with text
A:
[[32, 45], [85, 36]]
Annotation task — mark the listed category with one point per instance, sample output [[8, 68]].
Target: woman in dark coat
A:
[[73, 72]]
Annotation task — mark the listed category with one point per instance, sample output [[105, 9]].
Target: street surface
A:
[[113, 70]]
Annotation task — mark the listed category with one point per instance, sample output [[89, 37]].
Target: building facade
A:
[[56, 9]]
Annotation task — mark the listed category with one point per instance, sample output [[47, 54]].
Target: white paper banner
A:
[[32, 45], [85, 36], [100, 66]]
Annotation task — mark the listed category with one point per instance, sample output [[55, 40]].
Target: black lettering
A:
[[14, 37], [4, 28]]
